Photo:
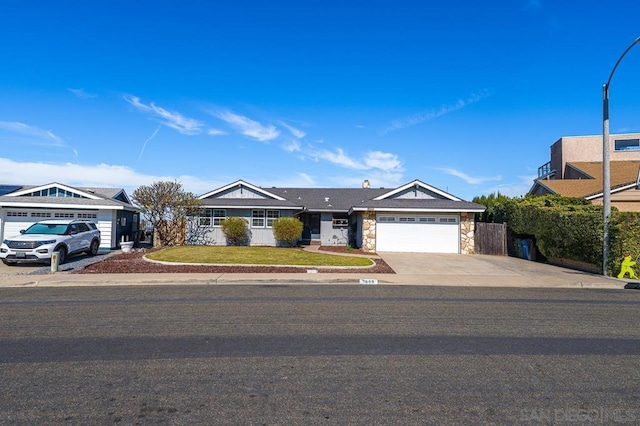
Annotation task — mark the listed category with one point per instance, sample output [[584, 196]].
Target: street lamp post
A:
[[606, 170]]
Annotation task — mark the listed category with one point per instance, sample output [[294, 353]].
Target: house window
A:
[[64, 215], [257, 219], [340, 221], [627, 144], [87, 215], [204, 221], [53, 192], [386, 219], [407, 219], [218, 216], [448, 220], [271, 216], [428, 219], [40, 214], [17, 214]]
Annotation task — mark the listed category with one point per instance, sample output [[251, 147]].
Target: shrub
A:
[[236, 231], [287, 230], [569, 228]]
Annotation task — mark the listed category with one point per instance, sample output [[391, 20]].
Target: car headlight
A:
[[6, 242], [41, 243]]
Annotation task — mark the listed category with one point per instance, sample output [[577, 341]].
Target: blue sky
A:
[[466, 95]]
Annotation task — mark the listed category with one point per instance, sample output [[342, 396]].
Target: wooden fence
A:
[[491, 238]]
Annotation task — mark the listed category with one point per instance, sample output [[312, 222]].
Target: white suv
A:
[[40, 240]]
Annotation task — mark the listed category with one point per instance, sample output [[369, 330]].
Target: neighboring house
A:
[[575, 170], [109, 208], [415, 217]]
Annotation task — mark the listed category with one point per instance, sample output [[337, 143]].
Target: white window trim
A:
[[262, 218], [269, 222], [217, 220]]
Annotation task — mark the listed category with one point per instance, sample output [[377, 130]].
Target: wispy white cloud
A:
[[144, 145], [292, 146], [82, 94], [294, 180], [175, 120], [472, 180], [340, 158], [248, 127], [216, 132], [518, 188], [99, 175], [383, 161], [295, 132], [420, 118], [24, 129]]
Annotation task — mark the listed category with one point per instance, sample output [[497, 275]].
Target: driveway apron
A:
[[491, 268]]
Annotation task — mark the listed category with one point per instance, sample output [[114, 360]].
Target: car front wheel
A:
[[62, 255]]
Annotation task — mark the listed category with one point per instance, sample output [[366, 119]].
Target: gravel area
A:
[[133, 262], [77, 263]]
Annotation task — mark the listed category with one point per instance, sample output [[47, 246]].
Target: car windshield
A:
[[47, 228]]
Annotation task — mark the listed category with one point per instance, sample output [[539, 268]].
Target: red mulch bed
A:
[[133, 263]]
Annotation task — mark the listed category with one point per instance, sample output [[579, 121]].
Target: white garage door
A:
[[16, 220], [418, 233]]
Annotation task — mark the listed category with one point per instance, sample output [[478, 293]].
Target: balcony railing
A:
[[545, 171]]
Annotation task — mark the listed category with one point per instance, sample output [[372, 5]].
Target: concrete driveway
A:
[[477, 269], [19, 269]]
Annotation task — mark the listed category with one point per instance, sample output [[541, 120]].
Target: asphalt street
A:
[[280, 354]]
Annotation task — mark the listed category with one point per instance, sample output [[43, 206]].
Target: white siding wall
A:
[[418, 193], [242, 192], [259, 236], [107, 227], [330, 236]]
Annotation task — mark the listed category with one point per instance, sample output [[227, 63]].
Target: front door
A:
[[311, 228]]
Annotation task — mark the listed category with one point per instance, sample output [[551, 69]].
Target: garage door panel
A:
[[14, 224], [16, 221], [418, 237]]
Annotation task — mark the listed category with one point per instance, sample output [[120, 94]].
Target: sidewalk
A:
[[411, 269], [61, 279]]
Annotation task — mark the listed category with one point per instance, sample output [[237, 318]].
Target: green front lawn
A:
[[254, 256]]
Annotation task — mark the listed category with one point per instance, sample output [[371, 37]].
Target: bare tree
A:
[[168, 208], [197, 233]]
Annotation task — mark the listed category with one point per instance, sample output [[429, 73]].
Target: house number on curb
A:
[[368, 281]]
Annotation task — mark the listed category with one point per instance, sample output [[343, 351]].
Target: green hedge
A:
[[571, 228]]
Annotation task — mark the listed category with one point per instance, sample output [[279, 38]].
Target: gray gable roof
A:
[[250, 203], [339, 200], [107, 198], [399, 204], [65, 202], [328, 199]]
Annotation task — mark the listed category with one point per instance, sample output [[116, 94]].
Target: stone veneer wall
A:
[[467, 230], [369, 231]]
